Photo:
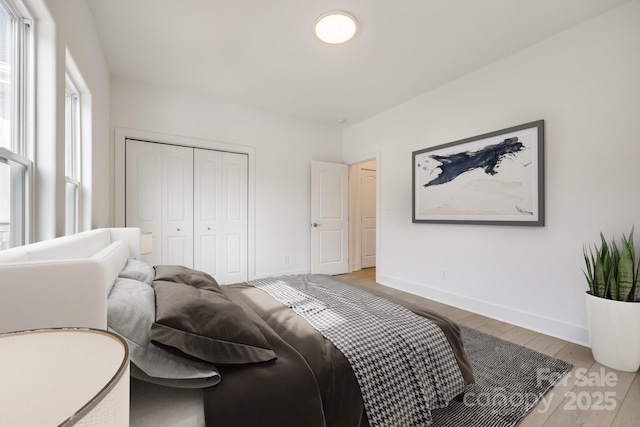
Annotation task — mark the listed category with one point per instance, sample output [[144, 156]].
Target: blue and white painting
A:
[[488, 179]]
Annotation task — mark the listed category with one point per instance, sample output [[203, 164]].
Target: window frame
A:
[[71, 224], [73, 154], [22, 147], [22, 80], [21, 196]]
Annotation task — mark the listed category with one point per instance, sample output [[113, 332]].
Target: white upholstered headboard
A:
[[63, 282]]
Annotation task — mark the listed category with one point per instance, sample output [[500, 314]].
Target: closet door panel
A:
[[234, 221], [143, 195], [234, 260], [177, 190], [208, 250], [207, 254]]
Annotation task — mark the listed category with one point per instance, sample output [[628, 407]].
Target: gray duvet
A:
[[311, 383]]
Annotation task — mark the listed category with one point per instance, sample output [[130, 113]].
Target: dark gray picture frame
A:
[[496, 178]]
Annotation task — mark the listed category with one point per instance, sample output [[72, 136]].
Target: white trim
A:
[[18, 9], [562, 330], [122, 134]]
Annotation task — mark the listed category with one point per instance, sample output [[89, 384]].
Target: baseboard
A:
[[565, 331]]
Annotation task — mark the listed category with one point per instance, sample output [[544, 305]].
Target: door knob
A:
[[178, 229], [209, 228], [315, 224]]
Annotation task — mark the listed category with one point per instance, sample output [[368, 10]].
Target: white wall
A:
[[284, 149], [585, 84], [66, 37]]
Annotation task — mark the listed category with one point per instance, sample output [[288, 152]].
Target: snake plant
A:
[[612, 273]]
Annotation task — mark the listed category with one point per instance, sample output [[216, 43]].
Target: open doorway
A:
[[362, 214]]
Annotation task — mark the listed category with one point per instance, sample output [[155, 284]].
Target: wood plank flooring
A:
[[591, 395]]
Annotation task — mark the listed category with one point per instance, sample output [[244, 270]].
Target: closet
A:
[[194, 201]]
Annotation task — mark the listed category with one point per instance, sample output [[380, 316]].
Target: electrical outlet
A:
[[443, 274], [286, 259]]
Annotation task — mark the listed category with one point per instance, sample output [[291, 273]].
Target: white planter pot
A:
[[613, 332]]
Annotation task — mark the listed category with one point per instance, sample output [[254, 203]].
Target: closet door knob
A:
[[209, 228], [178, 229]]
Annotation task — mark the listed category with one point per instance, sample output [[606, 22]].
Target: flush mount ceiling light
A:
[[335, 27]]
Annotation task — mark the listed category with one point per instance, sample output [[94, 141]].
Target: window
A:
[[72, 157], [15, 167]]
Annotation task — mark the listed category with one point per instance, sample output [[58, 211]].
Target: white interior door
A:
[[208, 255], [329, 218], [143, 195], [177, 205], [234, 217], [368, 217]]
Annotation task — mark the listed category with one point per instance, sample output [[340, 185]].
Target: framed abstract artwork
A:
[[496, 179]]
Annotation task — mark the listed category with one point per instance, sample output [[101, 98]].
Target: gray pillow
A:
[[130, 313], [137, 270]]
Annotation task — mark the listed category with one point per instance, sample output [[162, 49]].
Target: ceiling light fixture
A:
[[336, 27]]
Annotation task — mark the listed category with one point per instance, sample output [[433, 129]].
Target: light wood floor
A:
[[607, 397]]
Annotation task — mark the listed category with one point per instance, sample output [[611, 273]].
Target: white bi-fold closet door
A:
[[194, 201], [220, 214]]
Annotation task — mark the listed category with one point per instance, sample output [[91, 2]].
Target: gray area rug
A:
[[510, 380]]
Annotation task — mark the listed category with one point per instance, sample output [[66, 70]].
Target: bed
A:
[[281, 371]]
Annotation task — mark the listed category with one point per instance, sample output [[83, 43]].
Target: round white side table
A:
[[65, 376]]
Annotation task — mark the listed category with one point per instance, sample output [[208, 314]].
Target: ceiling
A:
[[263, 53]]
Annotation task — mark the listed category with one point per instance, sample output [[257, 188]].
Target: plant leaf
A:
[[633, 250], [589, 273], [612, 272], [601, 282], [625, 270]]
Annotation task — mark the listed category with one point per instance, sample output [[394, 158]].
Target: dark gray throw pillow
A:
[[206, 325], [188, 276]]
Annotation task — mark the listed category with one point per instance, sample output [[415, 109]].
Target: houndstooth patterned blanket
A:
[[403, 362]]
